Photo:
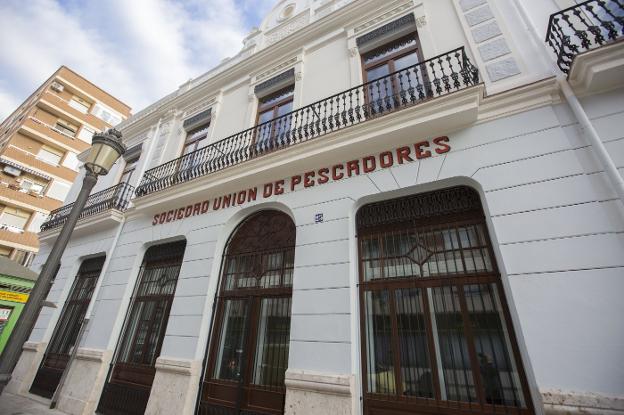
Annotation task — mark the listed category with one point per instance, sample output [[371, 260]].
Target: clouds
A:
[[136, 50]]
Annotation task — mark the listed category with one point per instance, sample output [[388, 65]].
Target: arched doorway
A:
[[435, 328], [248, 353]]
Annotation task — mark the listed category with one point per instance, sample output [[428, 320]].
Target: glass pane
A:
[[371, 254], [156, 333], [415, 362], [283, 124], [379, 359], [273, 340], [263, 132], [144, 319], [232, 341], [133, 323], [409, 80], [379, 90], [499, 374], [426, 253], [405, 61], [259, 270], [159, 280], [448, 328], [398, 248]]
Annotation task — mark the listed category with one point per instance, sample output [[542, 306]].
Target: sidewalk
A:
[[20, 405]]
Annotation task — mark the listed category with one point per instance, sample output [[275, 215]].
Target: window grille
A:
[[67, 329], [249, 349], [133, 370], [436, 332]]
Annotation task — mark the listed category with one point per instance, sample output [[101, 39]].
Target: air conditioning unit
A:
[[10, 170], [57, 87]]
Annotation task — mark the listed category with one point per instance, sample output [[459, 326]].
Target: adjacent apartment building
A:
[[39, 144], [376, 207]]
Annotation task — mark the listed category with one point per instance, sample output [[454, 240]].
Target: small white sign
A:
[[4, 314]]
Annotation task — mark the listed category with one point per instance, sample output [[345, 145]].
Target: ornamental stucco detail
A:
[[287, 29]]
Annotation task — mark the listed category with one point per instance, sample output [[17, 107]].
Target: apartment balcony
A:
[[30, 160], [14, 196], [47, 133], [26, 241], [103, 207], [437, 89], [56, 104], [587, 40]]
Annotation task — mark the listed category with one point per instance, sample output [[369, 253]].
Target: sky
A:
[[136, 50]]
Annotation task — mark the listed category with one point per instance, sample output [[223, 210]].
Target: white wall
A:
[[58, 190], [316, 85], [232, 116], [559, 233]]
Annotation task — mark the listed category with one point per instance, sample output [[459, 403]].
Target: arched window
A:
[[133, 368], [436, 332], [248, 354], [67, 329]]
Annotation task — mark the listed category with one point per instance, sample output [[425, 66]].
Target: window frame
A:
[[190, 140], [390, 61], [258, 138], [65, 336], [247, 256], [66, 127], [129, 169], [385, 227], [46, 149], [17, 214], [168, 256]]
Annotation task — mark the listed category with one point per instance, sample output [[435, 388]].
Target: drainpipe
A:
[[599, 148]]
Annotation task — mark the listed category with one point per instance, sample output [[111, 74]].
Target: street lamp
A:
[[106, 148]]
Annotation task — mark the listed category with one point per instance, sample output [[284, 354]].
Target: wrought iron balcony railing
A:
[[583, 27], [424, 81], [116, 197]]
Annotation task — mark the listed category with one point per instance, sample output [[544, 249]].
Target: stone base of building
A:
[[313, 393], [84, 382], [558, 402], [26, 368], [175, 386]]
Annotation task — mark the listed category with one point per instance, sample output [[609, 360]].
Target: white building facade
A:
[[407, 206]]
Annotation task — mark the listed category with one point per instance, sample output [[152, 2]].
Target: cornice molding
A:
[[402, 8], [385, 30], [276, 80], [108, 218]]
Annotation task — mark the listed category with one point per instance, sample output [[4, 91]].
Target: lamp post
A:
[[106, 148]]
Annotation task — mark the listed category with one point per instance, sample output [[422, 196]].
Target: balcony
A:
[[427, 81], [56, 104], [586, 39], [24, 240], [30, 160], [116, 197], [37, 128], [14, 196]]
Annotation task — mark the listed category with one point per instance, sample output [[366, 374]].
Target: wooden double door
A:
[[248, 354]]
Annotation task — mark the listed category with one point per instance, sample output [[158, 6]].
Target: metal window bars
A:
[[583, 27], [115, 197], [432, 78]]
